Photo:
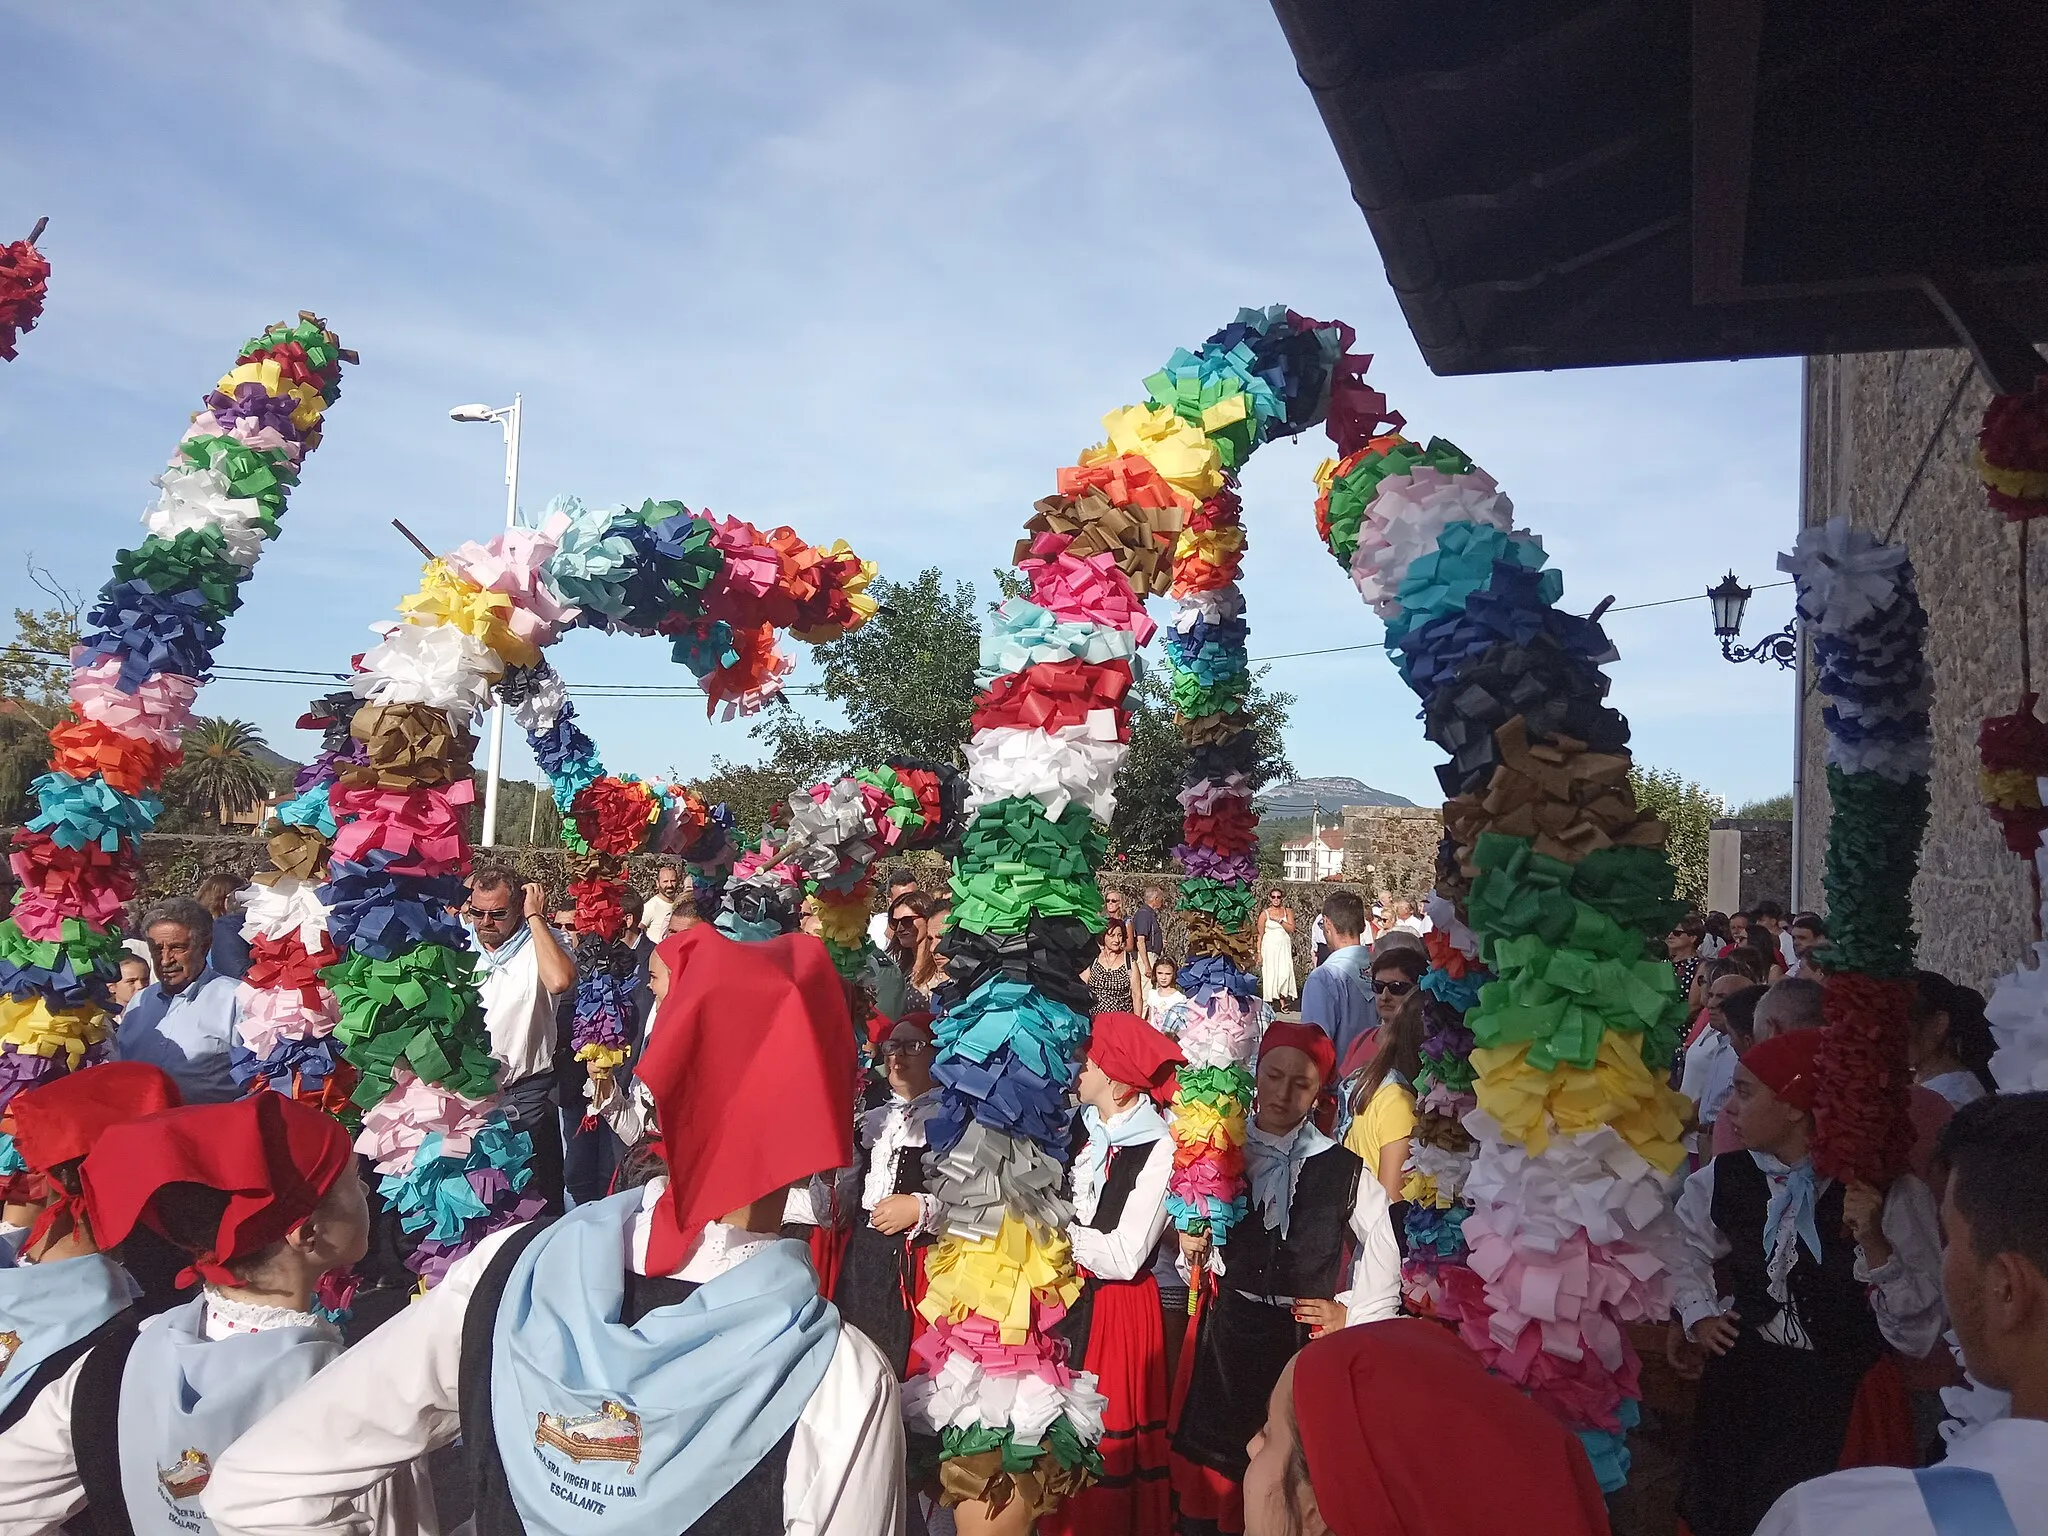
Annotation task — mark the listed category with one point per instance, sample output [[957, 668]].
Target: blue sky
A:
[[871, 271]]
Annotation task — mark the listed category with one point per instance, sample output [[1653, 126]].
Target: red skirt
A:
[[1127, 1354], [828, 1246]]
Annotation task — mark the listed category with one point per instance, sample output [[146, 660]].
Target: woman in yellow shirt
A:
[[1383, 1099]]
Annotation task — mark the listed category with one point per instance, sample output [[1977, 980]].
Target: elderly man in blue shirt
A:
[[183, 1022]]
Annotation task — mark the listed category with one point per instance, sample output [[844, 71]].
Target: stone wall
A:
[[1393, 848], [1868, 420]]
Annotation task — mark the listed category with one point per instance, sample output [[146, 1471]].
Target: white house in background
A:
[[1319, 856]]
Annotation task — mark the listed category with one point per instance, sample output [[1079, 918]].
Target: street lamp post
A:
[[1729, 598], [507, 417]]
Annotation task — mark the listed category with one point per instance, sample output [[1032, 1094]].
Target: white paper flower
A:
[[435, 664], [202, 498], [1075, 763]]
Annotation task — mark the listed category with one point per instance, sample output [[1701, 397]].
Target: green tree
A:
[[35, 688], [1776, 808], [753, 791], [904, 680], [1148, 809], [1688, 811], [527, 817], [221, 774]]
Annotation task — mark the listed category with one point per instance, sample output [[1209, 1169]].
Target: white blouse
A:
[[394, 1397], [41, 1489], [887, 1131], [1374, 1293], [1125, 1251], [1905, 1291]]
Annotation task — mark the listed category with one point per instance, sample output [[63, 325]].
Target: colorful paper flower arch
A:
[[153, 631], [362, 993]]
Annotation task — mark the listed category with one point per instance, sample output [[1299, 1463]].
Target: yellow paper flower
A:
[[601, 1059], [36, 1029], [1198, 1124], [1227, 412], [1619, 1091], [844, 921], [446, 598], [1184, 457], [1212, 546], [996, 1277]]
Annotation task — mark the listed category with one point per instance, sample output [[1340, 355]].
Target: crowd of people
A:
[[163, 1351]]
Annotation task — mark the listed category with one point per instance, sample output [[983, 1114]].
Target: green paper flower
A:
[[1874, 835], [196, 560], [1230, 902], [422, 1008]]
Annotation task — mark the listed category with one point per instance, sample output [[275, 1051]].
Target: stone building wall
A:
[[1392, 848], [1766, 860], [1869, 417]]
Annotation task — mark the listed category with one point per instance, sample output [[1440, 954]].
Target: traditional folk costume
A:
[[1375, 1410], [1807, 1386], [880, 1275], [135, 1429], [1115, 1330], [1318, 1228], [52, 1313], [639, 1367]]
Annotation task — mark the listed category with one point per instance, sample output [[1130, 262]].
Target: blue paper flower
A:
[[150, 632], [88, 813], [383, 915]]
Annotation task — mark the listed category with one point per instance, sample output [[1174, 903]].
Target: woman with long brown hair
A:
[[1382, 1099]]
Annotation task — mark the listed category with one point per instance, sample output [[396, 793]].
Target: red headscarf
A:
[[1133, 1053], [1306, 1038], [1785, 1065], [273, 1157], [751, 1063], [881, 1027], [60, 1121], [1377, 1472]]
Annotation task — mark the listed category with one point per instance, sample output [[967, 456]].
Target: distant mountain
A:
[[1302, 795], [280, 768]]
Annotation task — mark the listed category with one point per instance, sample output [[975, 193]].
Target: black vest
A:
[[752, 1507], [96, 1428], [1119, 1178], [878, 1271], [1831, 1303], [1309, 1261]]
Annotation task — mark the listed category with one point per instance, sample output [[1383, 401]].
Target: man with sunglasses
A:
[[522, 969]]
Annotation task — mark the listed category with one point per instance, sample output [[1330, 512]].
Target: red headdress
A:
[[1379, 1474], [273, 1157], [1307, 1039], [750, 1059], [60, 1121], [1133, 1053], [881, 1026], [1785, 1065]]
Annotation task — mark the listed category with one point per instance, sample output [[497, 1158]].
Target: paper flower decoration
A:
[[152, 632]]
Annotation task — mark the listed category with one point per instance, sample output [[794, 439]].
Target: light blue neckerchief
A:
[[1138, 1126], [186, 1398], [49, 1306], [1964, 1501], [1274, 1171], [1797, 1194], [637, 1431]]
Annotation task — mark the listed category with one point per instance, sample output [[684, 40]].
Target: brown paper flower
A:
[[1212, 730], [1566, 800], [411, 746], [300, 852], [1140, 538]]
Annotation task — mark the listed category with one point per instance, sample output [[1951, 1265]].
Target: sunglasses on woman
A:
[[1399, 988]]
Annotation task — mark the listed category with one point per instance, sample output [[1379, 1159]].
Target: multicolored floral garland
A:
[[1269, 374], [1150, 509], [154, 629], [1540, 1223], [364, 995], [1857, 598]]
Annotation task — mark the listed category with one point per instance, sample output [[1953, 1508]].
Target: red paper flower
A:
[[284, 965], [80, 882], [423, 826], [24, 280], [1443, 956], [1231, 827], [1128, 481], [2012, 453], [1223, 510], [615, 816], [597, 907], [1862, 1129], [1049, 695]]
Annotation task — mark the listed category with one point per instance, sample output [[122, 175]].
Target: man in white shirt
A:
[[651, 1360], [523, 968], [1995, 1276], [661, 906]]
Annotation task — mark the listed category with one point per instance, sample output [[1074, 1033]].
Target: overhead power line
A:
[[299, 677]]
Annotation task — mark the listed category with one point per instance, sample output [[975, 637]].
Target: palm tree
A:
[[221, 769]]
